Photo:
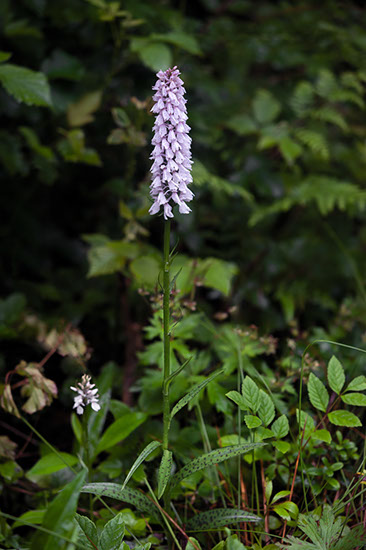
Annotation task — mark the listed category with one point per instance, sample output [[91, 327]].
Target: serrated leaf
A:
[[357, 384], [344, 418], [25, 85], [214, 457], [219, 517], [238, 399], [164, 471], [113, 490], [357, 399], [280, 427], [142, 456], [318, 393], [266, 410], [252, 421], [192, 393], [336, 376], [251, 394], [89, 534], [218, 274], [119, 430], [59, 516], [113, 533], [322, 435]]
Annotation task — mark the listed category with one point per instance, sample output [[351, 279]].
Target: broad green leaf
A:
[[146, 270], [251, 394], [193, 544], [181, 39], [336, 376], [76, 427], [142, 456], [32, 516], [265, 107], [218, 274], [192, 393], [219, 517], [322, 435], [27, 86], [233, 543], [164, 471], [113, 490], [318, 393], [156, 56], [51, 463], [88, 532], [238, 399], [112, 534], [4, 56], [242, 125], [214, 457], [344, 418], [266, 410], [358, 399], [282, 446], [120, 429], [252, 421], [59, 516], [287, 510], [280, 427], [279, 495], [290, 149], [357, 384]]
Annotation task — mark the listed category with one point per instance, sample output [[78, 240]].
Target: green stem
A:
[[85, 440], [166, 327]]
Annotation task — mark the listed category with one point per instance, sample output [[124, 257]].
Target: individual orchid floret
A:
[[87, 394], [172, 146]]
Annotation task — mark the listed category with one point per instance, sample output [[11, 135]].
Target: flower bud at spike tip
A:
[[172, 146], [87, 394]]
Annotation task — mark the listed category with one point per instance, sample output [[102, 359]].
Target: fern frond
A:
[[351, 80], [201, 176], [327, 114], [326, 83], [347, 96], [327, 193], [315, 141], [302, 98]]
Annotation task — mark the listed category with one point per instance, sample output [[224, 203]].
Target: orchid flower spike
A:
[[172, 146], [87, 394]]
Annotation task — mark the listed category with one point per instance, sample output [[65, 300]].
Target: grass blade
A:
[[142, 456]]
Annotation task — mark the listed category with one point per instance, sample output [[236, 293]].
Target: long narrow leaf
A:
[[113, 490], [192, 393], [176, 372], [164, 471], [220, 517], [59, 516], [214, 457], [142, 456]]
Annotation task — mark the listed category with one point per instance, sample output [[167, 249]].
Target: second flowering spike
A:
[[171, 169]]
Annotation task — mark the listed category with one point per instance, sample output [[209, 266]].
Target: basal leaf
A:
[[214, 457], [59, 516], [219, 517], [164, 471], [336, 376], [112, 534], [344, 418], [192, 393], [113, 490], [142, 456], [318, 393]]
